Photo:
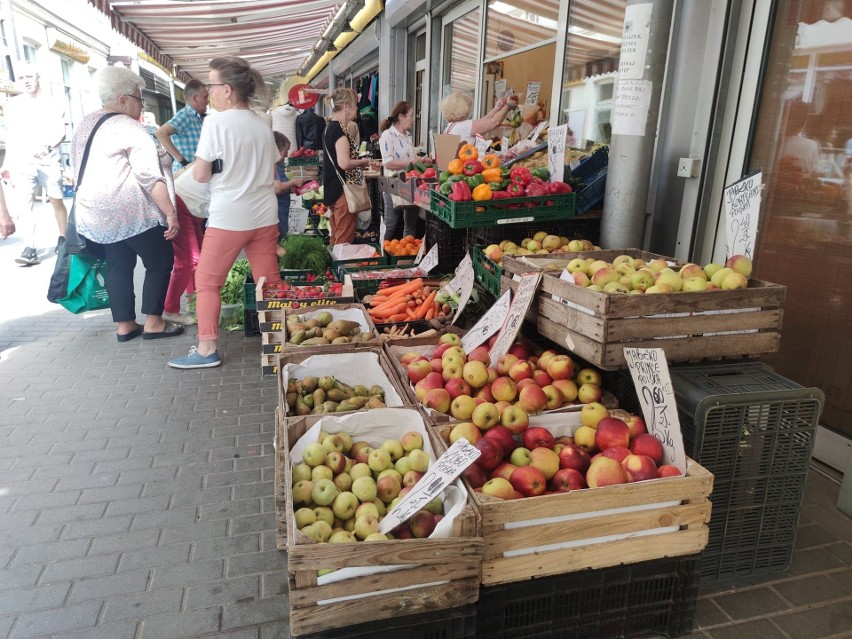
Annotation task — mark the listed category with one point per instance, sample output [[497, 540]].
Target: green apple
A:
[[379, 460], [304, 517], [314, 454], [360, 470], [364, 488], [302, 492], [324, 492], [344, 505], [718, 277], [418, 460], [394, 449], [324, 513], [301, 472]]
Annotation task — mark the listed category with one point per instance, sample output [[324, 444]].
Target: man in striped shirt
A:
[[179, 136]]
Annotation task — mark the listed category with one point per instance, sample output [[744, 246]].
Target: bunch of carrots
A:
[[405, 302]]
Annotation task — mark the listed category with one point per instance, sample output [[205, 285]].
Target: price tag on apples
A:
[[440, 474], [488, 324], [462, 283], [517, 312], [653, 384], [430, 261], [742, 210]]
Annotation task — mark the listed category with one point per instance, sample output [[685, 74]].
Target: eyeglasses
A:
[[141, 100], [214, 84]]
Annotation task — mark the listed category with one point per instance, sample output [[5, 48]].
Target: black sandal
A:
[[170, 330], [129, 336]]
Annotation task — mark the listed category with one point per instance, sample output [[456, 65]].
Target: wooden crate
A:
[[442, 573], [688, 326], [350, 377], [652, 519], [363, 318]]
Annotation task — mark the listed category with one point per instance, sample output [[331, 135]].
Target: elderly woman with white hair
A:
[[125, 202], [456, 108]]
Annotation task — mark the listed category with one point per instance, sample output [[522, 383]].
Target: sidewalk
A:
[[136, 500]]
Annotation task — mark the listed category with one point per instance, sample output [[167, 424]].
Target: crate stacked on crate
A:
[[270, 310], [296, 277], [376, 585], [340, 257], [304, 166], [451, 243], [592, 171], [689, 326], [754, 430], [517, 210]]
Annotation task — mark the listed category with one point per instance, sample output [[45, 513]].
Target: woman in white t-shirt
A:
[[397, 153], [456, 109], [236, 154]]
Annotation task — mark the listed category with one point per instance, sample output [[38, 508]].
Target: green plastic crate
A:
[[487, 271], [461, 215], [339, 266], [311, 161]]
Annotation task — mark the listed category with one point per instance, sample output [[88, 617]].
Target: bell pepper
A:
[[501, 195], [496, 186], [515, 190], [468, 152], [429, 173], [492, 175], [481, 193], [412, 174], [443, 176], [446, 188], [520, 175], [460, 192], [559, 187], [474, 180], [419, 166], [455, 166], [536, 190], [424, 186], [541, 172], [457, 178], [490, 161], [472, 167]]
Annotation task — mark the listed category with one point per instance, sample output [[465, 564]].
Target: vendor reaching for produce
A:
[[456, 109], [397, 154]]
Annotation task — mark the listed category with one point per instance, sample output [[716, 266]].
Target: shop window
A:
[[593, 46], [512, 25], [30, 51], [461, 53]]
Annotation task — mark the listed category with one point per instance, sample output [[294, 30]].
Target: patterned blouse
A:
[[113, 202]]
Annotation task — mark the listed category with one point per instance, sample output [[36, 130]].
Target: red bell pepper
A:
[[559, 187], [429, 173], [536, 190], [472, 167], [460, 192], [520, 175], [515, 189], [500, 195], [412, 174]]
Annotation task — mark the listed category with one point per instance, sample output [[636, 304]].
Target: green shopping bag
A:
[[86, 285]]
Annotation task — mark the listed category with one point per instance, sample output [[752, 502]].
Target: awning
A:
[[275, 36]]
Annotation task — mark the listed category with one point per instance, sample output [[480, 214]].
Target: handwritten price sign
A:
[[463, 283], [488, 324], [440, 474], [556, 152], [519, 308], [653, 384], [742, 209], [430, 261]]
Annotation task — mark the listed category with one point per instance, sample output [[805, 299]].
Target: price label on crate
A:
[[420, 251], [517, 312], [430, 261], [488, 324], [556, 152], [440, 474], [462, 283], [653, 384]]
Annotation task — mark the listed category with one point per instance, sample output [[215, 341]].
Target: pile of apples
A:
[[542, 243], [632, 276], [343, 488], [520, 384], [535, 462]]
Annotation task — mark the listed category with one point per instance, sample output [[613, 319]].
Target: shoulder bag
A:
[[357, 196]]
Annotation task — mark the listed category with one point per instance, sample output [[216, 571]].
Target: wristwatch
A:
[[184, 162]]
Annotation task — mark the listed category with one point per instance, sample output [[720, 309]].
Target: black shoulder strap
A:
[[85, 158]]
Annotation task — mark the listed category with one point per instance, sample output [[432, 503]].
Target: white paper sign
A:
[[440, 475], [297, 220], [541, 126], [462, 283], [517, 312], [430, 261], [420, 251], [742, 211], [488, 324], [499, 88], [634, 41], [632, 103], [482, 145], [653, 385], [504, 144], [556, 152], [532, 92], [382, 231]]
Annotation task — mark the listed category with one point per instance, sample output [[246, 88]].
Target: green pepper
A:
[[541, 172], [495, 186], [444, 176], [446, 188], [455, 178], [474, 180], [419, 166]]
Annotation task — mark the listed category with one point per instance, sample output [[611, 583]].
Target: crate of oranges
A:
[[402, 251]]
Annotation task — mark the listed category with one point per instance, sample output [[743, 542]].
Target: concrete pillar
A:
[[630, 154]]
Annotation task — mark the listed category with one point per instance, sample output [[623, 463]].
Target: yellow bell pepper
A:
[[492, 175], [455, 167], [481, 193], [490, 161]]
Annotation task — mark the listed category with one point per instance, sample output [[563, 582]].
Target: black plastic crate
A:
[[251, 322], [452, 243], [645, 599], [754, 430], [454, 623], [586, 227]]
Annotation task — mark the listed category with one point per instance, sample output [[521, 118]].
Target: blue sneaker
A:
[[196, 360]]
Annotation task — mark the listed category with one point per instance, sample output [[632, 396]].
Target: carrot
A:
[[406, 287], [375, 313], [411, 313], [376, 300], [399, 317], [430, 314], [426, 305], [393, 302]]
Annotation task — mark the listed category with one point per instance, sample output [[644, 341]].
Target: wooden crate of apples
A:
[[470, 387], [580, 490], [336, 479], [601, 301]]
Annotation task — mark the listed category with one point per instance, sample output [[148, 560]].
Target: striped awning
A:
[[275, 36]]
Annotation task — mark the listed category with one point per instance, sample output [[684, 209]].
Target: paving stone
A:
[[707, 613], [78, 568], [253, 612], [99, 480], [812, 561], [124, 465], [238, 508], [19, 576], [242, 633], [828, 621], [142, 604], [222, 592], [57, 551], [197, 571], [17, 520], [110, 493], [165, 518], [275, 583], [258, 489], [256, 563], [125, 541], [110, 585], [810, 590], [36, 534], [750, 603], [226, 546], [31, 599], [191, 623], [172, 486], [157, 503], [97, 527], [65, 471], [195, 532], [79, 512], [842, 551], [200, 497], [146, 475], [252, 523], [155, 556], [814, 535], [6, 625], [41, 501], [120, 630], [762, 628], [40, 624]]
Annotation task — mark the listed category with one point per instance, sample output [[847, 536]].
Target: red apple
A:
[[568, 388], [574, 456], [545, 460], [541, 378], [515, 419], [418, 369], [439, 351], [521, 369], [560, 367], [545, 357], [537, 437], [411, 356], [568, 479], [667, 470], [647, 444], [611, 431], [528, 480], [485, 394], [639, 467], [457, 386], [498, 487], [503, 436], [519, 350], [437, 365], [491, 454], [474, 475], [618, 453], [636, 425], [555, 398], [504, 389], [438, 399], [505, 363], [605, 472], [526, 381], [468, 430], [503, 470], [480, 354], [532, 399]]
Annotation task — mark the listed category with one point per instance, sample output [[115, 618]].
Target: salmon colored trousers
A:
[[218, 253]]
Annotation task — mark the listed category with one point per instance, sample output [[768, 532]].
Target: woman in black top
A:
[[341, 159]]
